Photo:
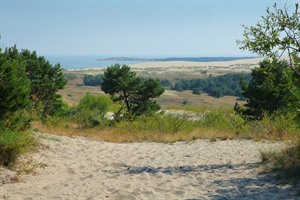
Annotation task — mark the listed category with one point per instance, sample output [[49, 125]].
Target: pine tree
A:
[[136, 95]]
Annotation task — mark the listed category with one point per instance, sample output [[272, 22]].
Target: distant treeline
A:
[[191, 59], [228, 84], [218, 86], [90, 80]]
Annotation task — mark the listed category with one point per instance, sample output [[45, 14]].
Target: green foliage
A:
[[28, 85], [90, 80], [270, 90], [275, 34], [166, 83], [70, 76], [219, 86], [158, 123], [92, 109], [14, 84], [19, 120], [12, 144], [224, 121], [45, 81], [135, 95], [275, 125]]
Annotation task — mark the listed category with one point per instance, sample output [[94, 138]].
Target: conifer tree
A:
[[136, 96]]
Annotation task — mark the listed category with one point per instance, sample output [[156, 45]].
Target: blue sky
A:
[[129, 28]]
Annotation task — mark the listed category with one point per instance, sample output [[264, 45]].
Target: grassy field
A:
[[74, 91]]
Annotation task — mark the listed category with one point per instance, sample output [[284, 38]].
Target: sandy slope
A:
[[81, 169], [173, 64]]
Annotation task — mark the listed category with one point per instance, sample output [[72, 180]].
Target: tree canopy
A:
[[276, 34], [14, 84], [45, 80], [28, 84], [90, 80], [217, 86], [271, 89], [136, 95]]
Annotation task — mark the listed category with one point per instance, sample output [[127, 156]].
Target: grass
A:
[[73, 93], [287, 162], [209, 123]]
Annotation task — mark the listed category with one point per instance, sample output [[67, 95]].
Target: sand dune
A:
[[172, 64], [78, 168]]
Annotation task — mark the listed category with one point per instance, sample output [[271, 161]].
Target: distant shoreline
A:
[[189, 59]]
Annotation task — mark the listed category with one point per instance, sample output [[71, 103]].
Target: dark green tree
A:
[[270, 90], [45, 81], [274, 35], [14, 84], [136, 95]]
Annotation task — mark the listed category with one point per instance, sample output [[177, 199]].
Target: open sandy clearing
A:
[[78, 168]]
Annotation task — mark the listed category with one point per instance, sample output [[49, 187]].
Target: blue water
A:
[[78, 62]]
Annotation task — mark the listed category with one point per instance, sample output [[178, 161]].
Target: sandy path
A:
[[82, 169]]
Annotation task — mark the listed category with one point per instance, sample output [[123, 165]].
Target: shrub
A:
[[20, 120], [92, 109], [222, 120], [12, 144], [158, 123], [276, 125]]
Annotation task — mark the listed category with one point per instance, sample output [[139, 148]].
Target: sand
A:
[[172, 64], [78, 168]]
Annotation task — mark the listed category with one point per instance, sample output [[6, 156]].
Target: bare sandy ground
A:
[[78, 168], [172, 64]]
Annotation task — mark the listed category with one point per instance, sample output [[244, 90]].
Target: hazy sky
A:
[[129, 28]]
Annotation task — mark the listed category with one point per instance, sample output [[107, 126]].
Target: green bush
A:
[[12, 144], [159, 123], [275, 125], [20, 120], [92, 109], [222, 120]]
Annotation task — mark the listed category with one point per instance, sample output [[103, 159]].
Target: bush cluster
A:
[[28, 88], [91, 110]]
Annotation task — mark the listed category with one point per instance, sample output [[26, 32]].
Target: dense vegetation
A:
[[92, 80], [28, 88], [228, 84], [271, 89], [70, 76], [91, 111], [275, 34]]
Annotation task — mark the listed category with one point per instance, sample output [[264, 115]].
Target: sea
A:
[[80, 62]]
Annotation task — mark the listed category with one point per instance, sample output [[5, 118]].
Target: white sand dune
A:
[[172, 64], [78, 168]]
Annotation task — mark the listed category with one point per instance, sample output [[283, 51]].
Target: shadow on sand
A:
[[261, 186]]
